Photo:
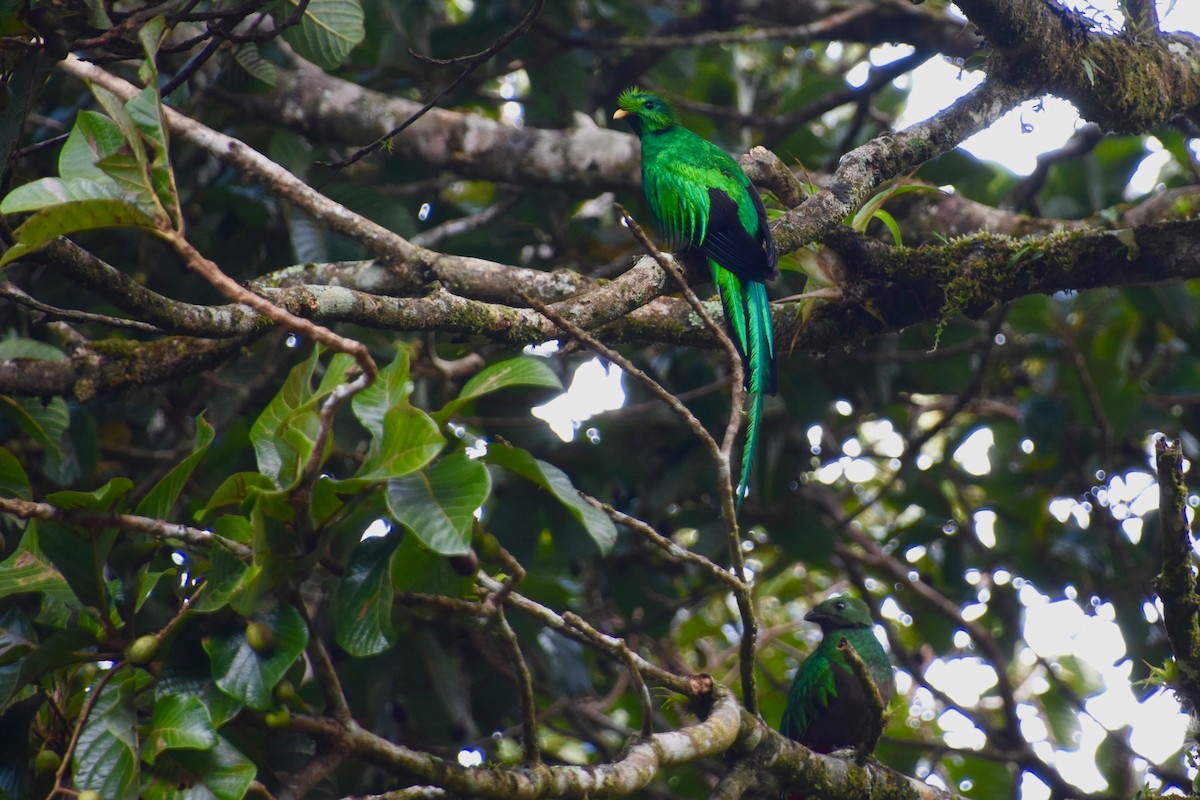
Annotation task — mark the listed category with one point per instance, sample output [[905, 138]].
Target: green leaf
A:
[[549, 477], [147, 580], [52, 192], [145, 108], [411, 439], [217, 773], [106, 757], [524, 371], [29, 571], [102, 499], [364, 598], [416, 568], [389, 390], [44, 226], [439, 504], [119, 114], [285, 434], [13, 480], [94, 137], [249, 72], [47, 425], [235, 491], [226, 571], [327, 33], [161, 498], [80, 557], [18, 347], [15, 724], [178, 722], [247, 675]]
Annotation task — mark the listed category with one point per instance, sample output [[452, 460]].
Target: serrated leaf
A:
[[161, 498], [439, 504], [106, 756], [364, 598], [597, 524], [219, 773], [524, 371], [249, 676], [327, 33], [178, 722]]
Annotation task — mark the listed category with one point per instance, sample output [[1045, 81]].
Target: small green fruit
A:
[[489, 547], [284, 692], [278, 718], [88, 794], [47, 762], [142, 651], [260, 638]]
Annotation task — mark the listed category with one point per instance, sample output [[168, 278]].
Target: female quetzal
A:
[[827, 706], [701, 200]]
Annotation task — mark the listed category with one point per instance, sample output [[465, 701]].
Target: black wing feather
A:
[[729, 243]]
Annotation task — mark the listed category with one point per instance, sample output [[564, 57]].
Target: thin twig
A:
[[794, 34], [745, 599], [85, 518], [529, 742], [325, 672], [17, 295], [88, 705], [673, 550], [874, 699], [643, 694], [239, 294], [476, 60]]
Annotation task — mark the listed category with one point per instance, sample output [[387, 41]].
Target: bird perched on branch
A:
[[828, 707], [702, 201]]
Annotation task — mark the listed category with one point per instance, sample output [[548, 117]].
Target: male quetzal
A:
[[702, 200], [827, 707]]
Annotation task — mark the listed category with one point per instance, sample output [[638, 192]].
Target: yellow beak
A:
[[620, 113]]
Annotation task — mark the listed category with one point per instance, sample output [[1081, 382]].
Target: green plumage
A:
[[702, 200], [827, 708]]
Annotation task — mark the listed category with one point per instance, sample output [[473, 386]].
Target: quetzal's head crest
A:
[[646, 111], [840, 612]]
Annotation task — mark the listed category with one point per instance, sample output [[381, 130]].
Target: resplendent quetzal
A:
[[827, 707], [702, 200]]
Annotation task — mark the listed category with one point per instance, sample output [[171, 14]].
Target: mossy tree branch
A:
[[1176, 584]]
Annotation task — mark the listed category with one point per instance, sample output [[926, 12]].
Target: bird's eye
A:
[[649, 104], [840, 606]]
